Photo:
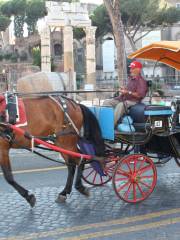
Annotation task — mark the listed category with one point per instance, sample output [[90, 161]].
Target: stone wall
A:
[[15, 71]]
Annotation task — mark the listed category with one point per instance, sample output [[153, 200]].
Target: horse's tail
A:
[[92, 131]]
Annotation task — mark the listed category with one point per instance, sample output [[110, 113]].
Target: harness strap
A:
[[49, 145], [7, 134], [63, 107], [54, 136], [32, 144]]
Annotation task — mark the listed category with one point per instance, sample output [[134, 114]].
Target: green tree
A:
[[18, 26], [138, 15], [35, 10], [16, 8], [100, 18], [78, 33], [6, 8], [4, 22], [113, 8], [28, 11], [145, 16]]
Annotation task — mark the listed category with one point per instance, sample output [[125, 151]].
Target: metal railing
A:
[[166, 83]]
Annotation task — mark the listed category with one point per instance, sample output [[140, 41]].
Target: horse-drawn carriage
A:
[[55, 122], [149, 130]]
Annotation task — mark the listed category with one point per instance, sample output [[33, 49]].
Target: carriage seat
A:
[[157, 110], [140, 113]]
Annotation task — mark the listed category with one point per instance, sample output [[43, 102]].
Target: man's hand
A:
[[123, 91]]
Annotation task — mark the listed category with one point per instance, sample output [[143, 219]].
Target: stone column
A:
[[68, 49], [90, 59], [45, 50]]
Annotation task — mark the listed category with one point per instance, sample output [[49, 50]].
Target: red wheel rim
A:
[[134, 178], [91, 177], [110, 165]]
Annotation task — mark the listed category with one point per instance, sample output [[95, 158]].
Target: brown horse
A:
[[51, 116]]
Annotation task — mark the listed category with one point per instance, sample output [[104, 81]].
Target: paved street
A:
[[101, 216]]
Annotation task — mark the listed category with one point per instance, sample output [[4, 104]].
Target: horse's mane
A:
[[92, 131]]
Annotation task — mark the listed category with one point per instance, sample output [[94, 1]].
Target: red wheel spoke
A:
[[134, 191], [123, 186], [144, 169], [121, 179], [135, 163], [122, 172], [127, 163], [89, 173], [101, 179], [145, 184], [128, 191], [141, 191], [95, 175], [141, 164], [109, 170], [142, 177]]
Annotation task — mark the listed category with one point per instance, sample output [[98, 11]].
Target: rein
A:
[[8, 134], [44, 156], [48, 145]]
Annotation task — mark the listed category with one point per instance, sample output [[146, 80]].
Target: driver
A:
[[133, 93]]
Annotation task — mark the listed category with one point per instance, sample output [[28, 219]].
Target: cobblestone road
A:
[[101, 216]]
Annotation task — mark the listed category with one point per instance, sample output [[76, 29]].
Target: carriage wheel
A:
[[134, 178], [92, 177]]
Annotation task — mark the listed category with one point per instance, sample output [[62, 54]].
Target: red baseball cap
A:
[[135, 64]]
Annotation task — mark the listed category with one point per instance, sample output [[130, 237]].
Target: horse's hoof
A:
[[31, 200], [84, 191], [61, 199]]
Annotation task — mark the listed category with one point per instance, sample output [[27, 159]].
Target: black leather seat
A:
[[140, 112], [137, 114]]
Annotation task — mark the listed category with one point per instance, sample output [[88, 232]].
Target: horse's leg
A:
[[7, 172], [68, 187], [78, 183]]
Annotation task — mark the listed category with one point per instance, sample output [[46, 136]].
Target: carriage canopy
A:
[[167, 52]]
